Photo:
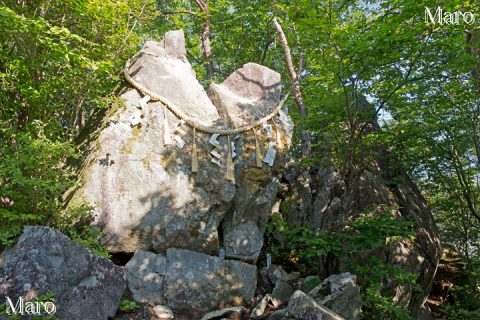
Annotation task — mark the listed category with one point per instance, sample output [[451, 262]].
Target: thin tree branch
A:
[[265, 50], [179, 12]]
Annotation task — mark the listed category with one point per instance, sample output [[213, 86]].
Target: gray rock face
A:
[[281, 293], [144, 193], [145, 275], [241, 96], [190, 281], [196, 281], [303, 307], [45, 260], [340, 293], [277, 314]]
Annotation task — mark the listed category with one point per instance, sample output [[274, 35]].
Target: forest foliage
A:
[[61, 60]]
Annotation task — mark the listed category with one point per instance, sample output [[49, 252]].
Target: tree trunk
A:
[[294, 76], [207, 48]]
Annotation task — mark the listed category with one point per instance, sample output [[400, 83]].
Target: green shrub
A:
[[128, 305], [31, 179], [302, 247], [75, 222]]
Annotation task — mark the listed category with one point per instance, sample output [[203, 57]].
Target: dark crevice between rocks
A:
[[121, 258], [221, 242]]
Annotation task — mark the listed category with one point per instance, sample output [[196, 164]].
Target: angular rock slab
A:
[[145, 277], [198, 282], [281, 293], [246, 93], [45, 260], [303, 307], [144, 193], [340, 293]]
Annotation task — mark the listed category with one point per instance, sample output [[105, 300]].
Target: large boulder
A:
[[196, 281], [145, 275], [46, 261], [189, 281], [144, 193]]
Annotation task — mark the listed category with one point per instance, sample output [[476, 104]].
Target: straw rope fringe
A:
[[191, 122], [230, 167]]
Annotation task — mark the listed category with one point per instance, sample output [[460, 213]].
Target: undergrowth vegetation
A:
[[358, 243]]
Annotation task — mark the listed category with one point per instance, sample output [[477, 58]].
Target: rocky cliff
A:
[[328, 200]]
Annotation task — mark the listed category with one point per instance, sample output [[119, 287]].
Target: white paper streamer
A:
[[270, 155], [179, 133]]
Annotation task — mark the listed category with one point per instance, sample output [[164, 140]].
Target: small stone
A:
[[223, 313], [278, 274], [281, 293], [261, 306], [163, 312]]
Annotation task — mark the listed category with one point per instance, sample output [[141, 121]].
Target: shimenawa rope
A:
[[192, 122]]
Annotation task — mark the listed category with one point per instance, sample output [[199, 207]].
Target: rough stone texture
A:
[[196, 281], [259, 309], [341, 294], [265, 285], [281, 293], [240, 97], [45, 260], [190, 281], [145, 276], [144, 193], [277, 314], [268, 278], [244, 224], [303, 307]]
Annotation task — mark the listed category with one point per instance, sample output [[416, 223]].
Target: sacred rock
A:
[[143, 191]]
